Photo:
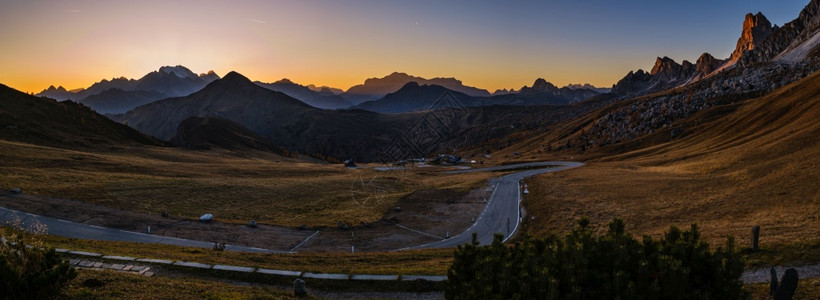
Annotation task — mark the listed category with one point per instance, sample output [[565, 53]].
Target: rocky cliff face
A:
[[756, 28], [793, 33], [759, 42], [707, 64], [766, 58], [667, 70], [633, 84]]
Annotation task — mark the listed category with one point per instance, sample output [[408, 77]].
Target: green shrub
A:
[[29, 271], [584, 266]]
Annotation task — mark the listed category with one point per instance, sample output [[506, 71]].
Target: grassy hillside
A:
[[42, 121], [737, 165]]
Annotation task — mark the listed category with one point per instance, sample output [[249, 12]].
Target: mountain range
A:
[[333, 134], [415, 97], [121, 94], [323, 98], [760, 45], [639, 104], [375, 88]]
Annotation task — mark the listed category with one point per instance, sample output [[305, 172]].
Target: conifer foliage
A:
[[584, 266], [30, 271]]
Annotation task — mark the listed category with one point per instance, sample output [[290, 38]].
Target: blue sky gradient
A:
[[488, 44]]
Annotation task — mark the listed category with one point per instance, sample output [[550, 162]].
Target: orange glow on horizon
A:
[[35, 83], [488, 44]]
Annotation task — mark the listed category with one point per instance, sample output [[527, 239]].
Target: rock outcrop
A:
[[759, 42], [707, 64], [633, 84], [756, 28], [667, 70], [790, 35]]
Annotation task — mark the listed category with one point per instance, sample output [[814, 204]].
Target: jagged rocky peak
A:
[[663, 65], [410, 85], [51, 88], [707, 64], [503, 92], [209, 73], [542, 85], [756, 28], [178, 70], [284, 81], [209, 77]]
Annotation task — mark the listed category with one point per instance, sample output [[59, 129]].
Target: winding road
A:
[[92, 232], [502, 214]]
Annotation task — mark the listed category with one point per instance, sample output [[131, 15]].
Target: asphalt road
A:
[[502, 214], [92, 232]]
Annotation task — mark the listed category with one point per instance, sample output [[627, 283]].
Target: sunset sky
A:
[[488, 44]]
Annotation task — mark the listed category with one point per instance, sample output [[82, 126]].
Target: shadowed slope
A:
[[736, 165], [233, 97], [43, 121]]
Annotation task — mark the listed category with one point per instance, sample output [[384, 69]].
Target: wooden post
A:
[[755, 237]]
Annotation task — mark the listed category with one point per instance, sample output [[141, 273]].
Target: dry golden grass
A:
[[117, 285], [413, 262], [753, 164], [234, 187]]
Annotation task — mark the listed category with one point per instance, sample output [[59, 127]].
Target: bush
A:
[[29, 271], [583, 266]]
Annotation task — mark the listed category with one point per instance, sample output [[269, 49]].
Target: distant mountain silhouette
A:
[[113, 101], [414, 97], [121, 94], [334, 134], [173, 81], [274, 116], [325, 89], [319, 99], [503, 92], [588, 86], [543, 92], [43, 121], [375, 88], [233, 97], [58, 93]]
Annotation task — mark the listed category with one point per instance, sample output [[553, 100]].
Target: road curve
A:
[[92, 232], [502, 214]]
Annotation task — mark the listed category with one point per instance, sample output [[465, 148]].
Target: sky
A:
[[487, 44]]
